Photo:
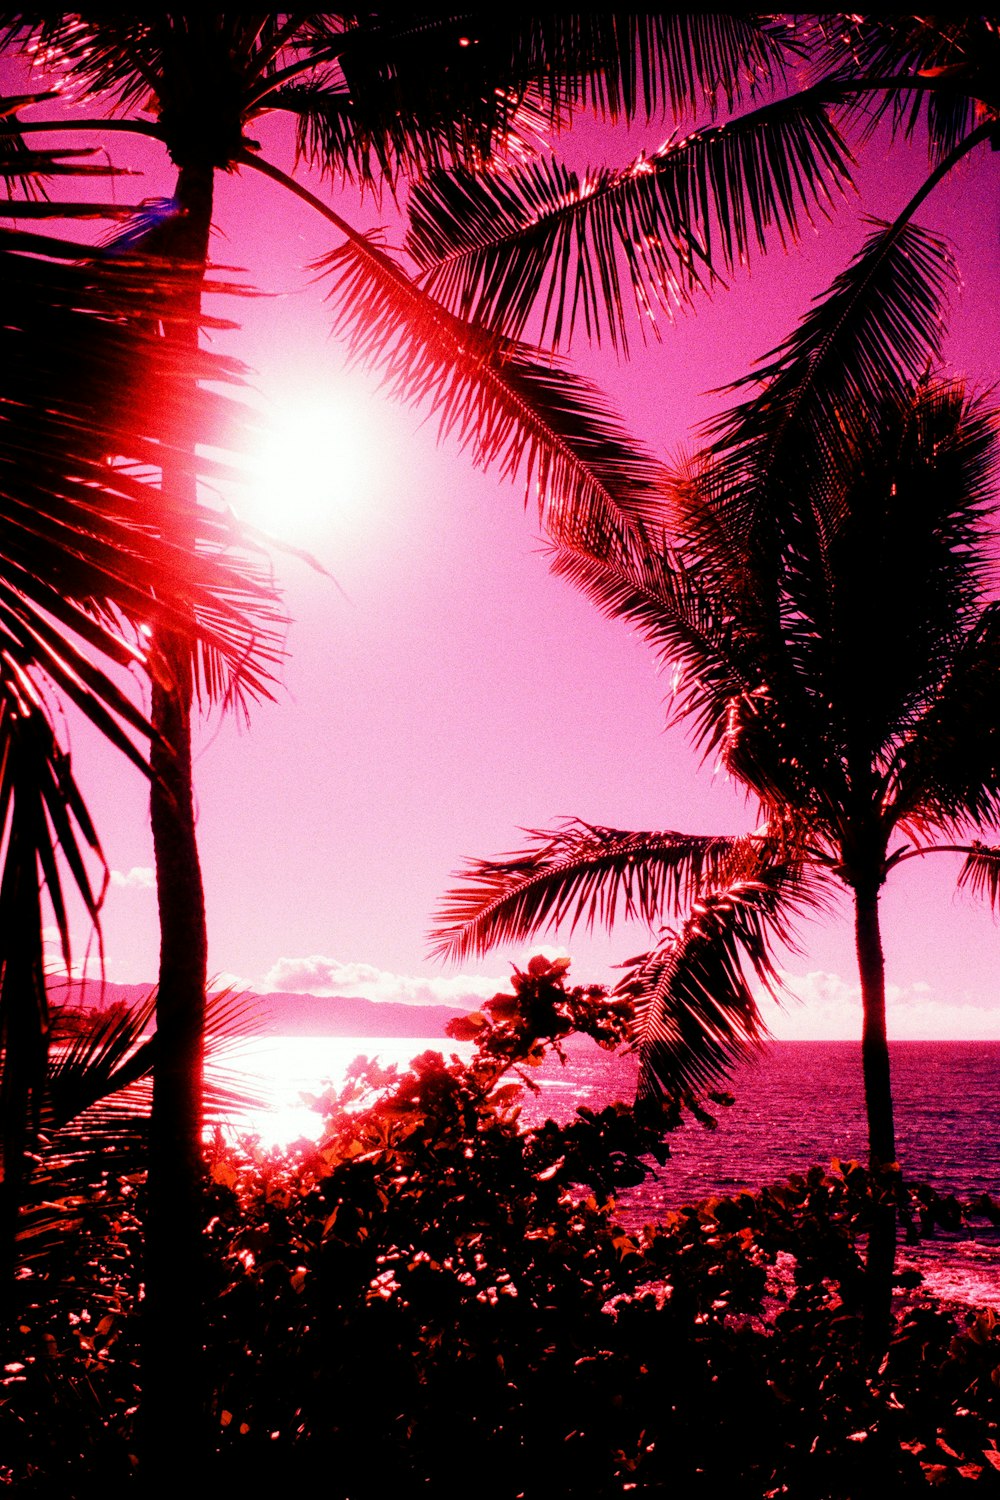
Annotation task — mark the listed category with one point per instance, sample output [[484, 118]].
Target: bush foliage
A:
[[434, 1296]]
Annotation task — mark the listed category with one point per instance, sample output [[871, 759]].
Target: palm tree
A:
[[826, 604], [84, 575], [379, 101]]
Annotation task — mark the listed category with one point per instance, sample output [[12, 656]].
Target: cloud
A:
[[819, 1005], [318, 975], [140, 878]]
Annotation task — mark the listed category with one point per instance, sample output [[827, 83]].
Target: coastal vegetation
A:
[[434, 1288], [431, 1290]]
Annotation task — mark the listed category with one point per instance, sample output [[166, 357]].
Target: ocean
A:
[[798, 1104]]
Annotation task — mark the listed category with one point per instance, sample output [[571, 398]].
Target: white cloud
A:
[[140, 877], [318, 975], [826, 1006]]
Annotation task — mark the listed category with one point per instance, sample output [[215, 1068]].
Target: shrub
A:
[[434, 1296]]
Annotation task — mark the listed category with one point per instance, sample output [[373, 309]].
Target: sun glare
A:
[[313, 469]]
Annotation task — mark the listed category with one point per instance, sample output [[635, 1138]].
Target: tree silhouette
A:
[[611, 248], [822, 589], [85, 575], [379, 100]]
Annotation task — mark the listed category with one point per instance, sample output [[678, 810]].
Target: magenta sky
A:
[[459, 693]]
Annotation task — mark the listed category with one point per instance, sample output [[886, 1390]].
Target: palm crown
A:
[[826, 605]]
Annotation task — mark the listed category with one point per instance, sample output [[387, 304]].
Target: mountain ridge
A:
[[283, 1013]]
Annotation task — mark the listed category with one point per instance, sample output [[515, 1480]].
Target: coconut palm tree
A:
[[378, 100], [824, 591], [85, 574]]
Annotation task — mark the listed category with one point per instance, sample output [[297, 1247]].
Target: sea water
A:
[[799, 1103]]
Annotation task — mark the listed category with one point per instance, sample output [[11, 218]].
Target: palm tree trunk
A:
[[173, 1336], [881, 1260], [24, 1040]]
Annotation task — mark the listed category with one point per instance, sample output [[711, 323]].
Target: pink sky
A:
[[458, 693]]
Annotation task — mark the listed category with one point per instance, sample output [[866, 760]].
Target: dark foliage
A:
[[434, 1295]]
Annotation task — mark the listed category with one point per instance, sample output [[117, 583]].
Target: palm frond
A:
[[888, 636], [734, 683], [118, 56], [981, 872], [84, 533], [873, 334], [107, 1053], [499, 399], [575, 873], [938, 70], [94, 1115], [713, 656], [857, 615], [947, 769], [499, 247], [623, 65], [27, 168], [696, 1011], [44, 828], [371, 105], [382, 96], [104, 1072]]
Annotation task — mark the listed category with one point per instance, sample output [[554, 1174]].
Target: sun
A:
[[312, 469]]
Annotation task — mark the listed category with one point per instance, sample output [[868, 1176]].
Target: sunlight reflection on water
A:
[[284, 1068]]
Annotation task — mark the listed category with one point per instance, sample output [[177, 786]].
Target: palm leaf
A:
[[94, 1116], [498, 398], [888, 634], [947, 769], [498, 247], [712, 623], [106, 1054], [81, 536], [938, 71], [696, 1012], [42, 817], [872, 334], [688, 627], [981, 872], [370, 102], [578, 873], [389, 95]]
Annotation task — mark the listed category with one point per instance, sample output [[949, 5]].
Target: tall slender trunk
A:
[[881, 1259], [24, 1036], [174, 1420]]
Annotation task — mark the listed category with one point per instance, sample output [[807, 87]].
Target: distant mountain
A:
[[290, 1015]]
